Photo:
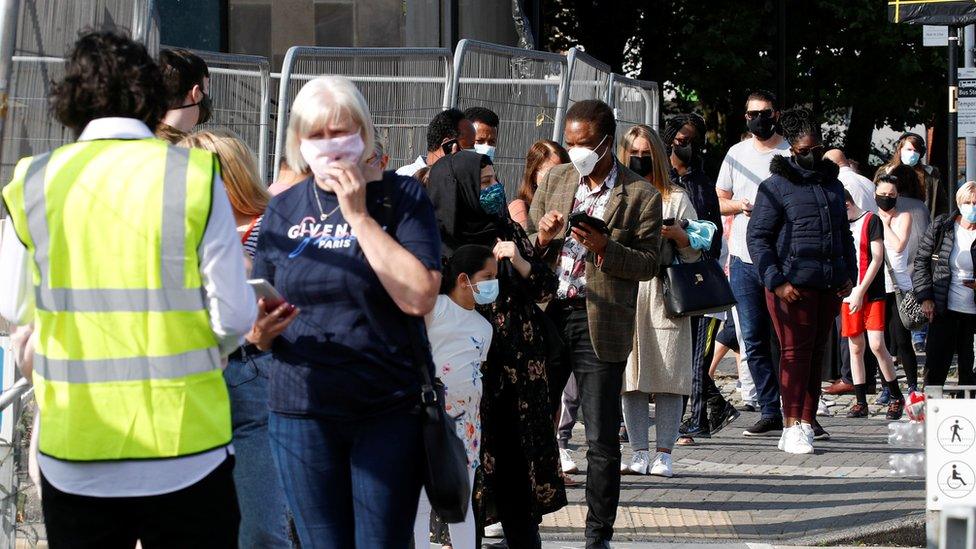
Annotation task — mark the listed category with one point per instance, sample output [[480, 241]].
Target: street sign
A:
[[932, 12], [935, 35], [950, 453], [967, 102]]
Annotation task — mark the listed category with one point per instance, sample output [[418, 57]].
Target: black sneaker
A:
[[765, 427], [819, 433], [895, 409], [748, 408], [858, 410], [721, 420], [689, 427]]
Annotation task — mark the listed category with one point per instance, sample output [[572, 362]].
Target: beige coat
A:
[[661, 359]]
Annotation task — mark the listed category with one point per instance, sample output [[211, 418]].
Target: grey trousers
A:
[[667, 418]]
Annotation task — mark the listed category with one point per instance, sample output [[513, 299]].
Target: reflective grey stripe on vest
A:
[[126, 369], [171, 297]]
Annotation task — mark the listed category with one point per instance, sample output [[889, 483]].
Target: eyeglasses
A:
[[765, 113]]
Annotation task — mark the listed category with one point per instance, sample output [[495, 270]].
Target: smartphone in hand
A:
[[263, 289], [595, 223]]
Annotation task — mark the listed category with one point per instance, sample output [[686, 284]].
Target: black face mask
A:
[[885, 203], [762, 127], [685, 153], [641, 165], [206, 109], [811, 160]]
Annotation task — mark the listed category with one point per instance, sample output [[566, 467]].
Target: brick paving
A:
[[733, 488]]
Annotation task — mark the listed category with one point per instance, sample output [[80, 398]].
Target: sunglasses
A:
[[765, 113]]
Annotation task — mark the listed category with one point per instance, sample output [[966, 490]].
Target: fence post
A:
[[8, 451], [281, 122], [9, 15]]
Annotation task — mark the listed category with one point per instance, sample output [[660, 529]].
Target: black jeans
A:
[[901, 339], [950, 333], [203, 515], [703, 389], [599, 383]]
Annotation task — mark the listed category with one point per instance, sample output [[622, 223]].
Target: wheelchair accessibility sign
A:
[[950, 452]]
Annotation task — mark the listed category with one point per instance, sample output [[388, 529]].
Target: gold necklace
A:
[[322, 215]]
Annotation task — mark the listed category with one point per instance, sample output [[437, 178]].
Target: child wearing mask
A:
[[459, 341], [864, 309]]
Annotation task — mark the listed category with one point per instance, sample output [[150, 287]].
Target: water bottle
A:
[[907, 465], [906, 434]]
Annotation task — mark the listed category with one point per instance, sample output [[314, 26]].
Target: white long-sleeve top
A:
[[232, 309]]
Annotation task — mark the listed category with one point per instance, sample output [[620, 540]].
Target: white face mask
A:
[[319, 154], [585, 159], [485, 149]]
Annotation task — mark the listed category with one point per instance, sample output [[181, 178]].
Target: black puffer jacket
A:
[[798, 232], [932, 274]]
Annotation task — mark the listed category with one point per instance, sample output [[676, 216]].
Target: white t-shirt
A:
[[860, 187], [961, 298], [411, 169], [743, 169], [459, 341]]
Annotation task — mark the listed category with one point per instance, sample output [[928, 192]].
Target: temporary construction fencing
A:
[[521, 86], [240, 91], [634, 102], [404, 88]]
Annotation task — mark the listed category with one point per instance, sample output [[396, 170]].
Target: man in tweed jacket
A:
[[598, 275]]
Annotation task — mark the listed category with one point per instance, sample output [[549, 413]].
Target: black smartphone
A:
[[669, 221], [448, 147], [595, 223]]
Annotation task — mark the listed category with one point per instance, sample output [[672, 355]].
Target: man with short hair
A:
[[598, 274], [746, 166], [448, 132], [860, 187], [187, 82], [485, 130]]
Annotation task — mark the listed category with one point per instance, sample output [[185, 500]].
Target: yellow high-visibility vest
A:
[[126, 364]]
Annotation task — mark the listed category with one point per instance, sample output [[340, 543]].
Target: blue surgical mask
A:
[[968, 212], [485, 149], [492, 199], [486, 291], [910, 157]]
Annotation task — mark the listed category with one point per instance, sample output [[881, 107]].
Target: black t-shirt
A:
[[865, 230], [347, 355]]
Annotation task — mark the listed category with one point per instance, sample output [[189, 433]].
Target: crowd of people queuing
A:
[[177, 409]]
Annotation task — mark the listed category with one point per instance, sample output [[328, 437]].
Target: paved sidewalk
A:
[[733, 488]]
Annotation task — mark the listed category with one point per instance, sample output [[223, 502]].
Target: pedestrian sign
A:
[[950, 452]]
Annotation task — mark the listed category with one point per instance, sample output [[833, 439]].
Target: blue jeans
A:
[[264, 511], [756, 328], [353, 482]]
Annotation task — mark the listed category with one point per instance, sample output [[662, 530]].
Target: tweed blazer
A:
[[633, 216]]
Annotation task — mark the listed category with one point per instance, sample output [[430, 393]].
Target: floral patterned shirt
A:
[[571, 268]]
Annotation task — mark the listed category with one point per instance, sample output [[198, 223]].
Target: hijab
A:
[[454, 186]]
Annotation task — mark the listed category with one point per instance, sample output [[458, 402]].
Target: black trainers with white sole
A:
[[765, 427]]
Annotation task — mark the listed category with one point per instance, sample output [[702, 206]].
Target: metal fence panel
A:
[[404, 88], [522, 86], [587, 78], [240, 91], [50, 27], [634, 102]]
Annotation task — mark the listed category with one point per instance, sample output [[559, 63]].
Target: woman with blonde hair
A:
[[264, 510], [660, 363]]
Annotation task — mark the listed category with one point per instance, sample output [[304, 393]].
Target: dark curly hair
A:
[[678, 121], [482, 115], [797, 123], [108, 74], [443, 126]]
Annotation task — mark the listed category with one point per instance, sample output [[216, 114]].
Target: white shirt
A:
[[961, 298], [411, 169], [860, 188], [232, 310], [459, 342], [743, 169]]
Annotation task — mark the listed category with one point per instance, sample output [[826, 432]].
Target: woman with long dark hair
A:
[[910, 152], [542, 156]]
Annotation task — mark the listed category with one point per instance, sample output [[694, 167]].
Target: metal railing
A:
[[522, 87], [404, 88], [586, 78], [634, 102]]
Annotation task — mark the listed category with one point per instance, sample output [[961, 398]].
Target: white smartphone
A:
[[264, 289]]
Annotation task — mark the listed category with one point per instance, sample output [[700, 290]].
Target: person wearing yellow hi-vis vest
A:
[[128, 265]]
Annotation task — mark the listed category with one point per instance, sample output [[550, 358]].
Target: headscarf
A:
[[454, 186]]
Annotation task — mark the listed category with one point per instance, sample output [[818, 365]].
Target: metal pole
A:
[[781, 62], [968, 61], [9, 16], [953, 159]]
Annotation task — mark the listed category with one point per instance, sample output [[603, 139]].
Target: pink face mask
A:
[[322, 153]]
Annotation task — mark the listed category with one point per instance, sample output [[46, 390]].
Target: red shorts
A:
[[870, 317]]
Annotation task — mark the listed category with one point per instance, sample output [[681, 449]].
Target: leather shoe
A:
[[839, 388]]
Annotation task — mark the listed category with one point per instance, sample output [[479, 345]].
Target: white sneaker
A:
[[662, 465], [796, 441], [494, 531], [808, 432], [566, 461], [640, 464], [823, 408], [782, 437]]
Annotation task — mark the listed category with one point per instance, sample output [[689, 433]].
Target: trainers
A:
[[808, 432], [796, 441], [567, 462], [749, 407], [764, 427], [819, 433], [662, 465], [895, 409], [721, 420], [689, 427], [858, 410], [640, 464], [883, 397], [494, 531], [823, 408]]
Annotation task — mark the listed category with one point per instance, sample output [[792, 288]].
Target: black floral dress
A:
[[518, 438]]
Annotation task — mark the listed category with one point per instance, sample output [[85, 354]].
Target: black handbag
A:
[[445, 459], [692, 289]]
